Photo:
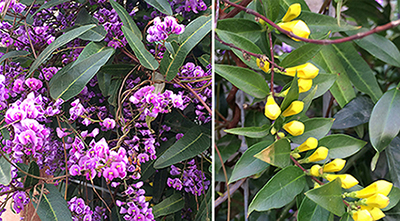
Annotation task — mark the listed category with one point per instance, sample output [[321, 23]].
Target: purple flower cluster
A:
[[17, 7], [189, 5], [162, 29], [191, 179], [285, 48], [82, 212]]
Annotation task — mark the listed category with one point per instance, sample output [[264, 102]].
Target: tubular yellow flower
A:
[[381, 186], [304, 84], [315, 170], [263, 65], [310, 144], [362, 215], [293, 11], [294, 127], [297, 27], [348, 181], [320, 154], [334, 166], [306, 71], [294, 108], [375, 212], [377, 200], [272, 110]]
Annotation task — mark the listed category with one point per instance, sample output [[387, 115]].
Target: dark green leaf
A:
[[286, 3], [253, 132], [227, 146], [393, 154], [48, 4], [245, 79], [158, 187], [161, 5], [310, 211], [278, 154], [292, 95], [341, 145], [33, 170], [255, 118], [243, 27], [394, 197], [170, 205], [301, 55], [204, 212], [356, 112], [5, 171], [384, 123], [271, 9], [13, 54], [126, 19], [97, 33], [323, 82], [315, 127]]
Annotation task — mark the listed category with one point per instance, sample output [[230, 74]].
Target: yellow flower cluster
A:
[[263, 65], [306, 73], [297, 27]]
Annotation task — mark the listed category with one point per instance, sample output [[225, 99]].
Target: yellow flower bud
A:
[[272, 110], [320, 154], [293, 11], [375, 212], [294, 127], [335, 165], [348, 181], [273, 131], [262, 22], [294, 108], [362, 215], [377, 200], [306, 71], [296, 155], [281, 134], [315, 170], [310, 144], [297, 27], [381, 186], [263, 65], [304, 84]]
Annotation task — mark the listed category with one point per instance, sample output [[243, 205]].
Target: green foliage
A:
[[5, 171]]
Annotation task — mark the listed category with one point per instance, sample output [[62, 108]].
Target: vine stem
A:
[[387, 26], [195, 94], [272, 62], [226, 181]]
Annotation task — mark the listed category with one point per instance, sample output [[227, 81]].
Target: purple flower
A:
[[107, 124], [33, 83], [74, 170], [110, 173]]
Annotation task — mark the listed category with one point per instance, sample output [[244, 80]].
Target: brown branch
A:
[[271, 48], [226, 181], [235, 11], [233, 189]]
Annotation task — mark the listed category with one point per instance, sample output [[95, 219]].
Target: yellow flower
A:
[[294, 108], [334, 166], [381, 186], [375, 212], [320, 154], [281, 134], [348, 181], [377, 200], [362, 215], [297, 27], [272, 110], [315, 170], [304, 84], [294, 127], [310, 144], [306, 71], [292, 13], [263, 65]]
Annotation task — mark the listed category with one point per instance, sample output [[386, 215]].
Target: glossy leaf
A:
[[170, 205], [193, 34], [323, 82], [126, 19], [292, 95], [280, 190], [245, 79], [310, 211], [314, 127], [277, 154], [97, 33], [248, 165], [301, 55], [329, 197], [341, 145], [161, 5], [5, 172], [356, 112], [52, 205], [384, 123], [245, 28], [145, 57], [394, 198], [13, 54], [33, 170], [255, 118], [253, 132], [393, 156], [195, 141], [58, 42]]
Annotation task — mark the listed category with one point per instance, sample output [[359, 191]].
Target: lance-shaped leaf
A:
[[292, 95], [323, 82], [280, 190], [170, 205], [356, 112], [161, 5], [5, 171], [70, 81], [52, 205], [195, 141], [97, 33], [278, 154], [58, 42], [393, 154], [227, 146], [301, 55], [245, 79], [126, 19], [315, 127], [33, 170], [384, 123], [329, 196], [310, 211], [246, 28], [341, 145], [253, 132], [144, 56], [13, 54], [192, 35]]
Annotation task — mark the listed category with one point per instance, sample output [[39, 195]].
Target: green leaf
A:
[[393, 154], [315, 127], [292, 95], [227, 146], [394, 198], [48, 4], [193, 34], [144, 56], [310, 211], [204, 212], [126, 19], [195, 141], [255, 118], [245, 79], [248, 165], [97, 33], [384, 123], [69, 82], [58, 42], [14, 54], [323, 82], [346, 217], [271, 9], [286, 3], [161, 5], [355, 113], [278, 154], [5, 172], [33, 170], [301, 55], [341, 145], [253, 132], [170, 205], [329, 197], [245, 28], [52, 206], [280, 190]]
